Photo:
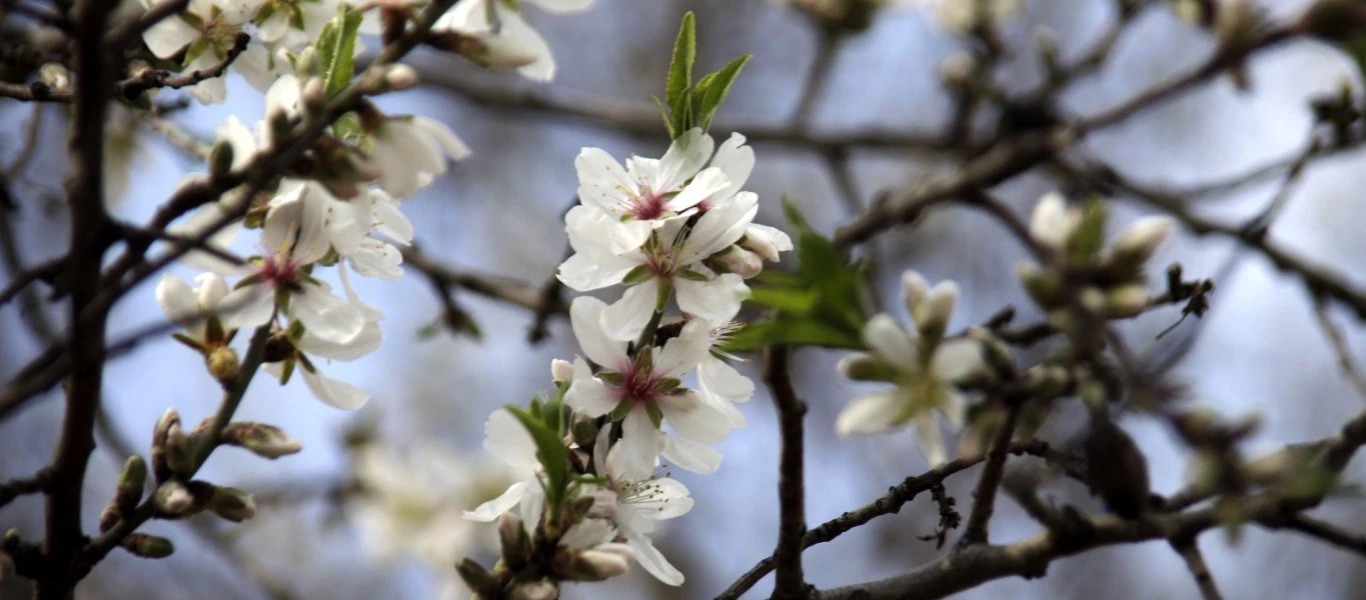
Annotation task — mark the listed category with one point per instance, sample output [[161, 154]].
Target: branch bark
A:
[[789, 582]]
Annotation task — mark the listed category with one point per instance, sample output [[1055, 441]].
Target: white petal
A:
[[626, 236], [452, 146], [507, 439], [169, 35], [326, 316], [583, 272], [334, 393], [491, 510], [721, 379], [176, 298], [533, 502], [872, 413], [377, 259], [736, 160], [247, 307], [591, 397], [563, 6], [693, 456], [956, 358], [685, 158], [716, 301], [927, 439], [626, 318], [254, 66], [954, 407], [1052, 222], [684, 352], [389, 220], [603, 183], [890, 342], [693, 419], [585, 317], [640, 442], [710, 181], [654, 562], [667, 499], [210, 289], [719, 227], [631, 466]]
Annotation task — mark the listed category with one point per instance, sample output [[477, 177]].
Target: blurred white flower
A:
[[181, 303], [496, 35], [408, 151], [961, 16], [639, 498], [923, 367], [207, 31]]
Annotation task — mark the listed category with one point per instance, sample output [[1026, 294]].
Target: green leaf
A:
[[336, 48], [664, 113], [798, 301], [551, 452], [793, 333], [711, 90], [680, 76]]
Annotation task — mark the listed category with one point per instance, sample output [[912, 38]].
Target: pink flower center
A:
[[648, 207], [640, 387], [279, 270]]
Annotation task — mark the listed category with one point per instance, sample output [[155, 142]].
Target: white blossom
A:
[[923, 369], [191, 306], [633, 390], [408, 151], [648, 192], [501, 38], [207, 31], [638, 499]]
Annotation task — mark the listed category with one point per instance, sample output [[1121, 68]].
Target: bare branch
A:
[[984, 498], [789, 582], [1189, 550], [1327, 532], [21, 486]]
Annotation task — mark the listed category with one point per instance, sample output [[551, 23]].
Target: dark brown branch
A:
[[891, 503], [1189, 550], [788, 582], [984, 497], [21, 486], [1327, 532], [85, 347]]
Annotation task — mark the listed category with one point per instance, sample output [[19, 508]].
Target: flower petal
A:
[[334, 393], [956, 358], [693, 456], [585, 318], [927, 439], [491, 510], [716, 301], [683, 352], [873, 413], [626, 318], [890, 342], [654, 563], [693, 419], [591, 397]]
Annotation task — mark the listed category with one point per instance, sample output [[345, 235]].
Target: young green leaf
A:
[[550, 451], [337, 48], [711, 91], [676, 87]]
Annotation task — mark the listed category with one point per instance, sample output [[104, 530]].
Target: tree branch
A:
[[1327, 532], [789, 582], [1189, 550], [984, 498]]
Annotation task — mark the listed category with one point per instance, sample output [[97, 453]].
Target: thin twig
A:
[[21, 486], [1350, 541], [1340, 348], [1189, 550], [788, 582], [984, 498]]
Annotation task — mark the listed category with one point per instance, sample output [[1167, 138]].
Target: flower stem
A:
[[647, 337]]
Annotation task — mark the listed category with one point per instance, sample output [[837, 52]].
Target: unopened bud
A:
[[131, 482], [541, 589], [148, 546], [1053, 221], [179, 451], [267, 441], [514, 542], [735, 259], [1126, 301], [278, 124], [478, 579], [173, 498], [313, 95], [765, 241], [864, 367], [492, 51], [590, 565], [1046, 381], [110, 516], [933, 312], [561, 371], [55, 75], [585, 432], [400, 77], [232, 504], [160, 469], [1141, 241], [1044, 286], [223, 364], [220, 158], [1092, 299], [308, 64], [913, 289]]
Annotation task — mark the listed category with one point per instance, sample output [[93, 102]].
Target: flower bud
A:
[[1092, 299], [159, 467], [495, 51], [220, 158], [735, 259], [308, 63], [131, 482], [400, 77], [767, 242], [933, 312], [267, 441], [561, 371], [514, 542], [278, 124], [179, 451], [110, 516], [55, 75], [1126, 301], [313, 95], [864, 367], [223, 364], [173, 498], [478, 579], [1044, 286], [541, 589], [1141, 241], [913, 289], [1053, 222], [147, 546], [590, 565], [232, 504], [1046, 381]]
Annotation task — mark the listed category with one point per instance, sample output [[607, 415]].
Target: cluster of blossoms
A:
[[931, 372], [675, 231], [339, 206]]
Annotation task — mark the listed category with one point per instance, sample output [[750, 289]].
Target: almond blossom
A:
[[922, 365], [643, 391], [648, 192], [495, 34], [207, 31], [636, 499]]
